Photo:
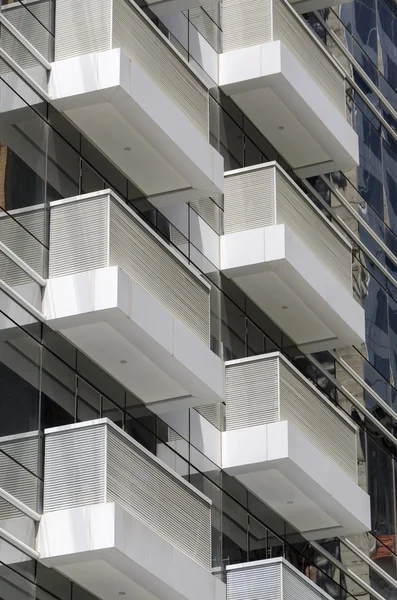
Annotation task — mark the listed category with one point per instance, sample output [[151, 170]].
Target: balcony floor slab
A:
[[285, 470], [117, 106], [112, 319], [276, 269], [273, 89], [107, 551]]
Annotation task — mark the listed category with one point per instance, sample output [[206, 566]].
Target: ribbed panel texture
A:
[[209, 211], [317, 421], [289, 30], [74, 469], [211, 412], [252, 393], [79, 236], [297, 587], [21, 234], [246, 23], [34, 23], [299, 215], [18, 465], [141, 42], [82, 27], [159, 500], [143, 257], [205, 21], [259, 582], [250, 199]]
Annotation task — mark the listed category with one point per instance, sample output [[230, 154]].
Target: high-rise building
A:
[[198, 300]]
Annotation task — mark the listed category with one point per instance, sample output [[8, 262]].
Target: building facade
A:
[[198, 300]]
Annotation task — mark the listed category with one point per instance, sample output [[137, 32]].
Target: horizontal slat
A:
[[159, 500], [252, 393], [317, 420], [79, 236], [74, 469], [141, 42], [18, 466], [261, 582], [250, 199], [246, 23]]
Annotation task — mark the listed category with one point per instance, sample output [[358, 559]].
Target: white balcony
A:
[[121, 82], [288, 444], [131, 303], [118, 520], [285, 255], [271, 579], [284, 80]]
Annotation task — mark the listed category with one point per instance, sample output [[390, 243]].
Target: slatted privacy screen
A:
[[268, 389], [273, 579], [19, 456], [99, 25], [266, 195], [247, 23], [97, 462], [34, 20], [99, 230]]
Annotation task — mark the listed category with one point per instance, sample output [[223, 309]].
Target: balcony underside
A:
[[107, 551], [305, 6], [133, 337], [274, 268], [119, 108], [285, 470], [282, 100]]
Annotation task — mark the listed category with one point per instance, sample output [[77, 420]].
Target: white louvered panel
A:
[[17, 50], [257, 582], [82, 27], [18, 468], [246, 23], [250, 199], [147, 261], [318, 421], [79, 236], [298, 587], [209, 211], [289, 30], [11, 273], [159, 500], [22, 234], [34, 23], [141, 42], [252, 393], [205, 21], [211, 412], [74, 469], [302, 218]]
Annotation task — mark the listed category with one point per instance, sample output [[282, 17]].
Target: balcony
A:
[[131, 303], [120, 81], [294, 449], [118, 520], [268, 579], [285, 255], [284, 80]]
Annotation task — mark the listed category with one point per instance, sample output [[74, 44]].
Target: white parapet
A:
[[285, 81], [294, 449], [291, 260], [116, 519]]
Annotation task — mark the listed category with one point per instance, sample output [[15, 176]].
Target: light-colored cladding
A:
[[97, 462], [268, 389], [22, 232], [273, 579], [99, 25], [34, 22], [99, 230], [19, 455], [250, 22], [266, 195]]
